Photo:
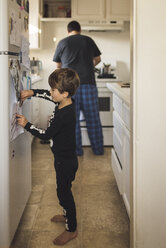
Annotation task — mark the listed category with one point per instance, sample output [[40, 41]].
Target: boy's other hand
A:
[[21, 120], [26, 93]]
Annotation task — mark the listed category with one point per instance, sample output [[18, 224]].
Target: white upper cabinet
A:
[[118, 9], [88, 9], [34, 23], [85, 10], [56, 9], [101, 9]]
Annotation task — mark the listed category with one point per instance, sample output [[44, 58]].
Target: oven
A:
[[105, 111]]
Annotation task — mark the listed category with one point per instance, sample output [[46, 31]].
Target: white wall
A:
[[149, 161], [115, 46]]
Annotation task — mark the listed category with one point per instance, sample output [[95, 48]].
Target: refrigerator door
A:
[[15, 157], [4, 156]]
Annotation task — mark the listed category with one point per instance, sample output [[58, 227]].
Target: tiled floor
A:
[[101, 215]]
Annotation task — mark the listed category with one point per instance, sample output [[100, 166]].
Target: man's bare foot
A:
[[65, 237], [58, 218]]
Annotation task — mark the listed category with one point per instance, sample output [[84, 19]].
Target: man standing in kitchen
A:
[[80, 53]]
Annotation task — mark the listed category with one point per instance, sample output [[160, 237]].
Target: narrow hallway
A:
[[101, 214]]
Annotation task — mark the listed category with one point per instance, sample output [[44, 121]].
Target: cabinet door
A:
[[35, 107], [126, 115], [118, 105], [117, 170], [34, 21], [126, 170], [93, 9], [118, 9], [40, 8], [35, 111]]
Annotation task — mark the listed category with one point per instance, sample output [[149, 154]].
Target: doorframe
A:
[[131, 125]]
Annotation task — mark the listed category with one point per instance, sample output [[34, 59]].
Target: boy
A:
[[61, 130]]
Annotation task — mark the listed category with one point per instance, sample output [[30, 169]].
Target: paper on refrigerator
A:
[[12, 27], [15, 28], [25, 52], [15, 129], [15, 107]]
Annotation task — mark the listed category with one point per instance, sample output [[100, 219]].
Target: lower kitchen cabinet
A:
[[117, 170], [121, 150], [118, 136], [107, 136], [35, 108], [126, 170], [35, 111]]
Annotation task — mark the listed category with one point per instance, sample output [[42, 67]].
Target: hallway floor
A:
[[101, 214]]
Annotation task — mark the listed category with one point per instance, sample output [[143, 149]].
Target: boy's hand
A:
[[21, 120], [26, 93]]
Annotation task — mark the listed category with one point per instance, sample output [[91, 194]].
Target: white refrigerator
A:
[[15, 143]]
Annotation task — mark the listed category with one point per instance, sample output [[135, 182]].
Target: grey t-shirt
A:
[[77, 52]]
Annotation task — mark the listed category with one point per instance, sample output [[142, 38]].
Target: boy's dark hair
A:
[[64, 79], [73, 26]]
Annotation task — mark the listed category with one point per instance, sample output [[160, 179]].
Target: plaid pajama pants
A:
[[86, 99]]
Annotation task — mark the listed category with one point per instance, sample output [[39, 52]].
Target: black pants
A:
[[65, 174]]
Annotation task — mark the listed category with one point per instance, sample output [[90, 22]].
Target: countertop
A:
[[123, 93], [102, 82], [107, 80]]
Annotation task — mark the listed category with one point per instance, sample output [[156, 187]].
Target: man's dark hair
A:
[[64, 79], [73, 26]]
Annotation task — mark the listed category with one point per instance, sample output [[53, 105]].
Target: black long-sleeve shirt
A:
[[61, 129], [77, 52]]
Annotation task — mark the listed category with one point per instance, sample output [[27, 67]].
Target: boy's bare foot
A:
[[65, 237], [58, 218]]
